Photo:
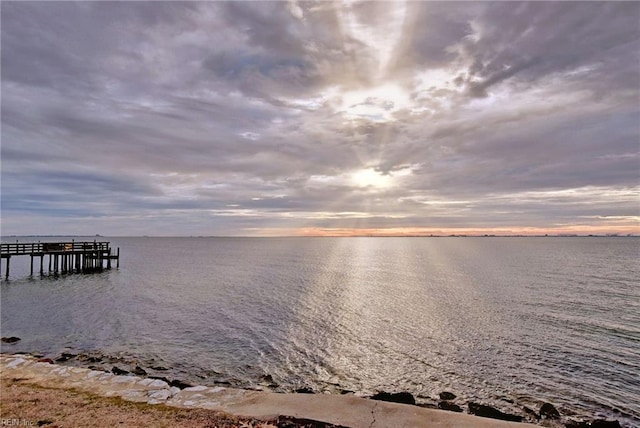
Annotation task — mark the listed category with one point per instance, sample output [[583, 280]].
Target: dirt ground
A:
[[23, 405]]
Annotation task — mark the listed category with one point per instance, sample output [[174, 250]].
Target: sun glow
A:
[[371, 178]]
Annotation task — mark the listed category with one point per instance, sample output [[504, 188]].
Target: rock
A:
[[491, 412], [531, 412], [447, 405], [45, 360], [346, 391], [395, 397], [597, 423], [160, 368], [179, 384], [12, 339], [293, 422], [65, 356], [118, 371], [446, 396], [89, 358], [267, 378], [160, 395], [139, 371], [304, 390], [603, 423], [548, 410], [158, 383], [427, 405], [164, 379], [577, 424]]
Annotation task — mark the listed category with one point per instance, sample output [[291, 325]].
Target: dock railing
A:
[[36, 248]]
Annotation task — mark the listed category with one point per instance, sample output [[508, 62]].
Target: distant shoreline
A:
[[328, 236]]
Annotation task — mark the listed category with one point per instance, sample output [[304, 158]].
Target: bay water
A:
[[509, 322]]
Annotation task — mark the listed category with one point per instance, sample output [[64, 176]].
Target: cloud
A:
[[229, 117]]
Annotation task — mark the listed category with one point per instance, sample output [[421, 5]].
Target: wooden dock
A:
[[64, 257]]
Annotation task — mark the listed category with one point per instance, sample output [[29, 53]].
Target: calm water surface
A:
[[504, 321]]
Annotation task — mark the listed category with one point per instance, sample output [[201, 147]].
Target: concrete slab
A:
[[343, 410]]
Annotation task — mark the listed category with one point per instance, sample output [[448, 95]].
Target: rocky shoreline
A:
[[547, 415]]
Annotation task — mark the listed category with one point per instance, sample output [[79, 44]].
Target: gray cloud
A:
[[236, 117]]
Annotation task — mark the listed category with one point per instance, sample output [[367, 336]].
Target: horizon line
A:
[[453, 235]]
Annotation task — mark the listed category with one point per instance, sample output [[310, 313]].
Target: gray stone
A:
[[447, 405], [161, 394], [446, 396], [548, 410], [139, 371], [395, 397], [118, 371], [491, 412]]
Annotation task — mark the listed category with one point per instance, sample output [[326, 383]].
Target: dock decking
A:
[[64, 257]]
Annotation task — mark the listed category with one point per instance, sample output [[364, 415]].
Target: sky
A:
[[320, 118]]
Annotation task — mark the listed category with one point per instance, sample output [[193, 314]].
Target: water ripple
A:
[[494, 320]]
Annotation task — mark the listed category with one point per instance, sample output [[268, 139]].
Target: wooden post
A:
[[50, 255], [6, 275], [31, 269], [55, 263], [118, 259], [41, 263]]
